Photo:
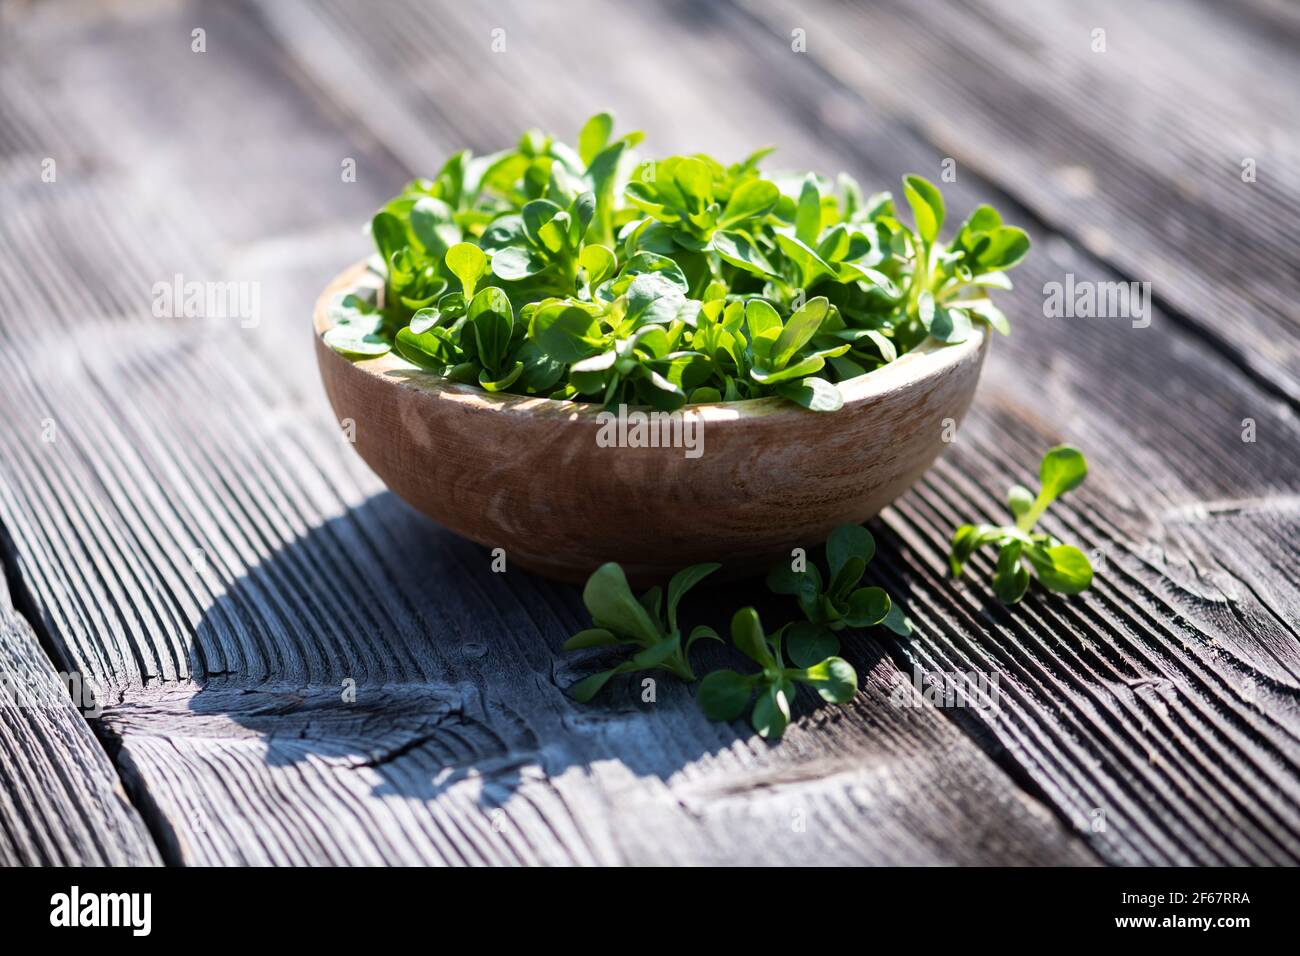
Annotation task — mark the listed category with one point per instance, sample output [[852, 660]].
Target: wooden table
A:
[[291, 666]]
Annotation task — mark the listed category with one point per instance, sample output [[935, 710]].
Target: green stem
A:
[[1030, 518], [679, 666]]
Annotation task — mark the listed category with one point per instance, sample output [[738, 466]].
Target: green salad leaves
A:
[[1060, 567], [800, 652], [724, 694], [594, 275], [620, 618], [838, 604]]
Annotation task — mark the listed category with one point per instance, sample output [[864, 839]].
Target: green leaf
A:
[[991, 314], [493, 380], [807, 643], [867, 607], [1066, 569], [467, 262], [1019, 499], [1010, 578], [808, 214], [593, 136], [389, 234], [771, 713], [803, 325], [753, 198], [737, 249], [849, 541], [814, 394], [747, 635], [432, 349], [516, 263], [702, 632], [653, 656], [612, 605], [608, 175], [834, 678], [724, 695], [763, 322], [811, 266], [1005, 247], [696, 183], [849, 574], [589, 687], [434, 226], [661, 267], [1063, 469], [798, 370], [581, 211], [963, 545], [683, 581], [783, 579], [927, 206], [598, 262], [897, 621], [949, 325], [536, 215], [492, 319], [591, 637], [355, 342], [565, 332]]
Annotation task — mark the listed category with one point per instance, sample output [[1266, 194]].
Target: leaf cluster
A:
[[1059, 567], [621, 618], [590, 274], [802, 652], [839, 603]]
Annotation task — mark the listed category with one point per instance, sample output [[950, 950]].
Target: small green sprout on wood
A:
[[724, 694], [1060, 567], [622, 619], [839, 604], [800, 652]]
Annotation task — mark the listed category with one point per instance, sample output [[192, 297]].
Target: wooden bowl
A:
[[528, 474]]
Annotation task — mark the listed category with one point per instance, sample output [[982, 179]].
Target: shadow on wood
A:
[[433, 670]]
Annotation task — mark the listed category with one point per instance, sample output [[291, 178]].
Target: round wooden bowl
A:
[[529, 476]]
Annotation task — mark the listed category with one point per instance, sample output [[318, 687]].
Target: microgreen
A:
[[619, 280], [800, 652], [1060, 567], [724, 694], [621, 619], [358, 328], [839, 603]]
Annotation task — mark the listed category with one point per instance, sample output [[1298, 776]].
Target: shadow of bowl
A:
[[562, 490]]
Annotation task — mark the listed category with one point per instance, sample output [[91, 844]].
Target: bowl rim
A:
[[930, 359]]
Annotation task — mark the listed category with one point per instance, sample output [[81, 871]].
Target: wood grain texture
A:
[[1185, 514], [1139, 151], [61, 802], [460, 707], [554, 486], [200, 539], [196, 535]]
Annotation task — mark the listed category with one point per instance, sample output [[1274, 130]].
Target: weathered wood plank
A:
[[459, 685], [1139, 150], [61, 802], [1166, 698], [198, 537]]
